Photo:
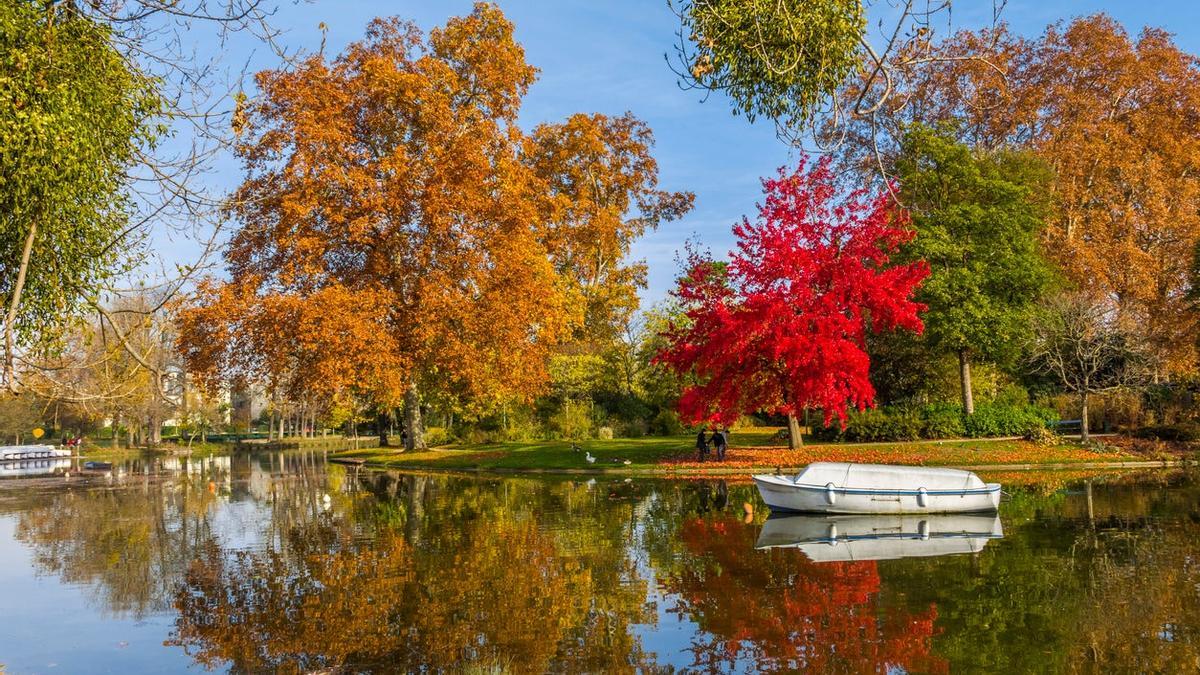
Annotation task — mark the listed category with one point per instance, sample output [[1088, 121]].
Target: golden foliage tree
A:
[[400, 236], [1118, 120], [595, 172]]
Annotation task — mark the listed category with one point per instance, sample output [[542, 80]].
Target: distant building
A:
[[246, 404]]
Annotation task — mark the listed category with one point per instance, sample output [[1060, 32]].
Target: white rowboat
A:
[[842, 487], [843, 538]]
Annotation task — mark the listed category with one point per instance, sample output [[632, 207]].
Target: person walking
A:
[[720, 444], [701, 445]]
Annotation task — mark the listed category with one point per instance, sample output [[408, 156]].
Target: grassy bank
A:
[[106, 452], [751, 451]]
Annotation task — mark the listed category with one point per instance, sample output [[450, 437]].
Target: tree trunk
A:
[[415, 513], [795, 440], [154, 424], [10, 322], [154, 432], [1083, 416], [413, 424], [964, 375], [116, 431], [381, 424]]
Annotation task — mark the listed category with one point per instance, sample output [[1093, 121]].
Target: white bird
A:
[[627, 462], [589, 458]]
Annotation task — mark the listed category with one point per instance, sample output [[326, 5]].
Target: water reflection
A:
[[882, 537], [458, 576], [277, 562], [33, 467], [777, 611]]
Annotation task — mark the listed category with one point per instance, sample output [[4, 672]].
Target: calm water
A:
[[280, 563]]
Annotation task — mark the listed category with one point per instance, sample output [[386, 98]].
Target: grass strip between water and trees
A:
[[753, 450]]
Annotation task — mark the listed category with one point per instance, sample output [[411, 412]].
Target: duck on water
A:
[[843, 487]]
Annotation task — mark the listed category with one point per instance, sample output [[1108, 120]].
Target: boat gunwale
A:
[[780, 481]]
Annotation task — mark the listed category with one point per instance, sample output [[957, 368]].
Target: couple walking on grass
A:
[[719, 441]]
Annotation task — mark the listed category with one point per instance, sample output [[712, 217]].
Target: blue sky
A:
[[607, 56]]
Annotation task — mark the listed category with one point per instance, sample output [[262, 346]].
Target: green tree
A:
[[780, 60], [978, 218], [18, 417], [73, 115]]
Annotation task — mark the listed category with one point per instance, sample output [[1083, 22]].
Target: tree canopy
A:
[[779, 60], [408, 237], [1113, 116], [978, 218], [782, 327], [73, 113]]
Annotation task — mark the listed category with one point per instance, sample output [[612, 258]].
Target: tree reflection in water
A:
[[781, 612], [488, 585], [129, 544], [278, 563]]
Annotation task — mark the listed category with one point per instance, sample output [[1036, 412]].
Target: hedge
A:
[[1183, 432], [894, 423]]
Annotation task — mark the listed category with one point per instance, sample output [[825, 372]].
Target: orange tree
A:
[[1115, 117], [401, 239]]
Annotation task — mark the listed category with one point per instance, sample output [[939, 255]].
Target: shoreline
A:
[[670, 473]]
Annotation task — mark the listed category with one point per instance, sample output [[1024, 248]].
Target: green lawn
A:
[[105, 451], [544, 455], [751, 450]]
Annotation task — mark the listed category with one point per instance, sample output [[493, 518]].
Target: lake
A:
[[280, 562]]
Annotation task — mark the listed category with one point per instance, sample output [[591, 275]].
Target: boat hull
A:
[[782, 494]]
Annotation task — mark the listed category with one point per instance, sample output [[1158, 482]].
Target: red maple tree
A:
[[782, 326]]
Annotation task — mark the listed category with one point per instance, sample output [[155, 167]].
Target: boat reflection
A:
[[881, 537], [33, 467]]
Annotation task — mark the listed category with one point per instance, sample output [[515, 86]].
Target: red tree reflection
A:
[[781, 612]]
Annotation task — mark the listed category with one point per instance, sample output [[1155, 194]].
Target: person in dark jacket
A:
[[719, 444], [701, 445]]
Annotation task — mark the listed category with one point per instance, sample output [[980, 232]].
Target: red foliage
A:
[[784, 613], [783, 326]]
